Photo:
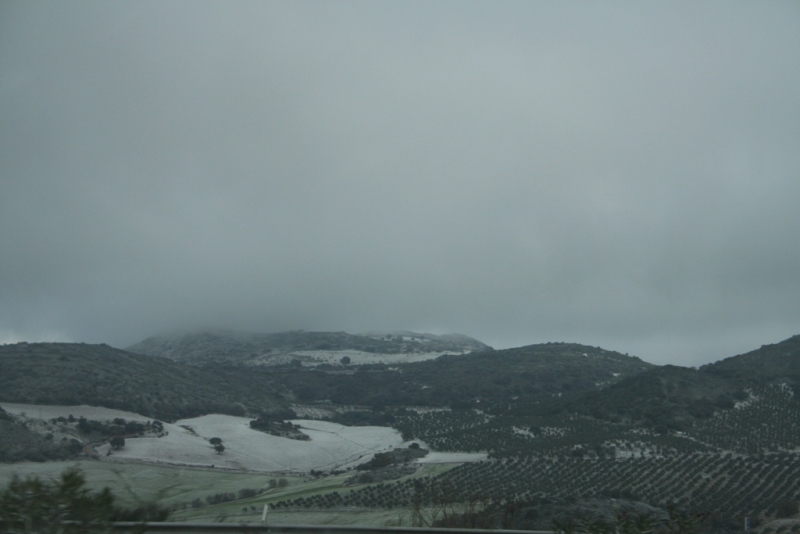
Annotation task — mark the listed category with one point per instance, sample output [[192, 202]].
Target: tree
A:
[[217, 444], [117, 442], [84, 426], [787, 508], [345, 360]]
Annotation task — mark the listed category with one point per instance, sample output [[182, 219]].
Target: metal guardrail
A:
[[191, 528]]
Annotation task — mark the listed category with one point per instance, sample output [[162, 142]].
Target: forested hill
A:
[[512, 379], [99, 375], [672, 398], [664, 398], [779, 362], [539, 380]]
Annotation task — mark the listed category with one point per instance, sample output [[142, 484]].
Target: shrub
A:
[[220, 498], [244, 493]]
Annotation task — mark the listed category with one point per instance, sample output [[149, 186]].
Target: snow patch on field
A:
[[185, 442], [452, 457], [523, 432], [751, 399], [312, 358], [330, 445]]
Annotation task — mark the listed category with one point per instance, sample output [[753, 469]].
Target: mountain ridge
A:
[[239, 348]]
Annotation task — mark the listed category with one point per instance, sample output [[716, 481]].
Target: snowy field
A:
[[331, 445], [452, 457], [186, 441]]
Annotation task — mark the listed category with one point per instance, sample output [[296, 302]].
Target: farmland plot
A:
[[135, 484], [330, 445], [186, 442]]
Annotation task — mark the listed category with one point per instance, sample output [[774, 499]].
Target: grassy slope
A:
[[135, 484]]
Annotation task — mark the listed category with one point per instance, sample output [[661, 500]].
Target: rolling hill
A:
[[99, 375]]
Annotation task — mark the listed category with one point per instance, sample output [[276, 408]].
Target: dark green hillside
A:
[[665, 398], [98, 375], [515, 380], [540, 370], [769, 364]]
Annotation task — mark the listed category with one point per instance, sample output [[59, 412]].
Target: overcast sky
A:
[[621, 174]]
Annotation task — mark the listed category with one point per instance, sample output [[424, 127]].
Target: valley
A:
[[518, 437]]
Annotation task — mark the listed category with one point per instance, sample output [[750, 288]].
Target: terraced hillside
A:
[[567, 435], [768, 420], [724, 484], [724, 441]]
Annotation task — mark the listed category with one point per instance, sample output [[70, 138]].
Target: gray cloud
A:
[[620, 174]]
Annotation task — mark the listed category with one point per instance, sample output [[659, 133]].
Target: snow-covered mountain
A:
[[308, 348]]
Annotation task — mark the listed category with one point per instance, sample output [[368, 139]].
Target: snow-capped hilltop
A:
[[308, 348]]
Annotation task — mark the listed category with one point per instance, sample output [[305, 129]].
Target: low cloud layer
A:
[[618, 174]]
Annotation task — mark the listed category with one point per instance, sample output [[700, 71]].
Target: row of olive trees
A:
[[720, 484]]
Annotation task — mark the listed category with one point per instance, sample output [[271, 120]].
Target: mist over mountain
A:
[[620, 174], [604, 195]]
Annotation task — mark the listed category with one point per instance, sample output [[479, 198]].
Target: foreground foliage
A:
[[64, 506], [625, 522]]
